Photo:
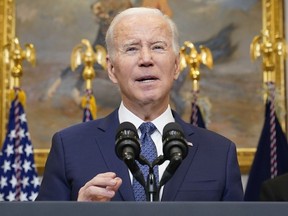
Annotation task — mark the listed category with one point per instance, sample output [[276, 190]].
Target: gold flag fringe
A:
[[21, 96], [89, 102]]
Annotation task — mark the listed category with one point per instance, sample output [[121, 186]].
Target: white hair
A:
[[137, 11]]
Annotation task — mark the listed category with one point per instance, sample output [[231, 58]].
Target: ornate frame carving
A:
[[7, 32]]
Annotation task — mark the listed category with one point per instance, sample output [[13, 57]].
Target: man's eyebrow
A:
[[159, 41], [129, 43]]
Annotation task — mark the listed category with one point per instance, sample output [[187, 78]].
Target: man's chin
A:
[[149, 101]]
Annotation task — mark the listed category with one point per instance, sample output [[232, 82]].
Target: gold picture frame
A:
[[272, 18]]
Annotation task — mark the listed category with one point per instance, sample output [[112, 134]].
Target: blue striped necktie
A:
[[149, 151]]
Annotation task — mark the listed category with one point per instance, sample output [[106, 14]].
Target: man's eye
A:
[[131, 49], [158, 47]]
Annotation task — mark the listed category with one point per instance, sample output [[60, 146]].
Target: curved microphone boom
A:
[[175, 149], [127, 148]]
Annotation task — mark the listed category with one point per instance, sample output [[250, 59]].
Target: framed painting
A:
[[231, 93]]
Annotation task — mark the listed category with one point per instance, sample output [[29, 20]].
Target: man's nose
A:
[[145, 58]]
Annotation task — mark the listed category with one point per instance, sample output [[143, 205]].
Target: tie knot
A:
[[147, 128]]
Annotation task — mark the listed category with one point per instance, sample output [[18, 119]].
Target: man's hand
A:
[[101, 188]]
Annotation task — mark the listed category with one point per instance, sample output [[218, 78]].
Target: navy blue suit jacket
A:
[[210, 172]]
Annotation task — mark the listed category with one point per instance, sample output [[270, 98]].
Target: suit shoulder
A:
[[92, 126], [80, 126], [201, 135], [208, 132], [206, 137]]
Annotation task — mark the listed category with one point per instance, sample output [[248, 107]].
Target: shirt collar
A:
[[160, 122]]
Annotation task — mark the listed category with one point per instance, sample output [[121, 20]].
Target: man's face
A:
[[143, 63]]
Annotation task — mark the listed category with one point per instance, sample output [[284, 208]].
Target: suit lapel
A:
[[109, 127], [173, 185]]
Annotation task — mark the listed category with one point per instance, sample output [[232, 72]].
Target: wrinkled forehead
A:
[[142, 24]]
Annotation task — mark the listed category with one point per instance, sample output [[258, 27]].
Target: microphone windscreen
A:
[[126, 126], [172, 126], [126, 140]]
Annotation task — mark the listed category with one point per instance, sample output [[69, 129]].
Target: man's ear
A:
[[177, 67], [110, 70]]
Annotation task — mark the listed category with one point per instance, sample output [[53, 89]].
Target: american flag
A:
[[89, 106], [196, 117], [87, 115], [261, 166], [18, 176]]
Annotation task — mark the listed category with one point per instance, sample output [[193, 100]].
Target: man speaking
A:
[[143, 60]]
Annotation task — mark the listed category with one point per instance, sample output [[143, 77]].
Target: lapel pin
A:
[[190, 144]]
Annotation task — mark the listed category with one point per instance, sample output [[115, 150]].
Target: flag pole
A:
[[84, 53], [193, 60], [19, 179], [270, 46], [271, 156]]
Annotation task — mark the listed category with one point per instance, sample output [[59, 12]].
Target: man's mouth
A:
[[147, 79]]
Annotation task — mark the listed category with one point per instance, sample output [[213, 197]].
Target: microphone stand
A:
[[151, 189], [170, 169]]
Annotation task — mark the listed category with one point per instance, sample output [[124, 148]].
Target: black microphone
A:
[[175, 149], [127, 148]]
